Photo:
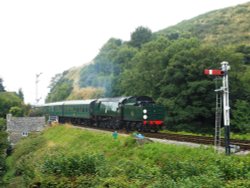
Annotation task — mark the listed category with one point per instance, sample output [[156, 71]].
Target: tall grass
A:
[[63, 156]]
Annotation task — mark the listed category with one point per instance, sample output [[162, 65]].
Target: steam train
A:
[[139, 113]]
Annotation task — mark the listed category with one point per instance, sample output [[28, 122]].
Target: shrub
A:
[[3, 147], [17, 111], [75, 165], [2, 124], [116, 182], [28, 145]]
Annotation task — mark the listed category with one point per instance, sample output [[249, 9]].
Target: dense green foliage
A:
[[1, 85], [60, 88], [20, 94], [3, 147], [171, 71], [168, 66], [221, 27], [8, 100], [140, 36], [16, 111], [242, 116], [66, 157]]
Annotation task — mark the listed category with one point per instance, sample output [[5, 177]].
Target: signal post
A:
[[223, 72]]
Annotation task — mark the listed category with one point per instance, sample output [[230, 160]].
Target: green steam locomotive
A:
[[139, 113]]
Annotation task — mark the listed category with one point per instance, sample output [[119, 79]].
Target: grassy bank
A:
[[66, 157]]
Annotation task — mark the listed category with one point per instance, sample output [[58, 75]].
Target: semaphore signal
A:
[[215, 72], [223, 72]]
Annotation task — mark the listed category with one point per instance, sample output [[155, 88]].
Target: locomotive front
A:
[[141, 113]]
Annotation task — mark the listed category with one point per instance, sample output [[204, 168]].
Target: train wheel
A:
[[146, 129], [118, 124], [138, 127], [112, 124], [156, 130], [128, 126]]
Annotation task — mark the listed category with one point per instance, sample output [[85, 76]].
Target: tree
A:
[[144, 72], [1, 85], [241, 116], [105, 71], [8, 100], [20, 94], [140, 36], [17, 111], [60, 91], [3, 147], [188, 94], [54, 81]]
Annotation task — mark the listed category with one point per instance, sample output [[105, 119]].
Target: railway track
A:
[[243, 144]]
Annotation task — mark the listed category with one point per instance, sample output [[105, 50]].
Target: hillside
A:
[[168, 66], [63, 156], [229, 26]]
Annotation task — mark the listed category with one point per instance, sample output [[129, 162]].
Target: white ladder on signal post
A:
[[218, 119]]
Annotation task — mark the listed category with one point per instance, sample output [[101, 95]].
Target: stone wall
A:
[[18, 127]]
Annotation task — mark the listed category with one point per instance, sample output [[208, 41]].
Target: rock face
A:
[[19, 127]]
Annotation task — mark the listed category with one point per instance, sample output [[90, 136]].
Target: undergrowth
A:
[[66, 157]]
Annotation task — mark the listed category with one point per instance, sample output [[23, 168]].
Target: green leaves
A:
[[168, 68], [1, 85], [140, 36], [67, 157], [75, 165], [8, 100], [60, 90], [17, 111], [3, 147], [241, 116]]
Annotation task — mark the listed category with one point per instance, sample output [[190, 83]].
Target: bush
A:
[[234, 168], [116, 182], [3, 147], [17, 111], [177, 169], [28, 145], [241, 116], [76, 158], [2, 124], [75, 165]]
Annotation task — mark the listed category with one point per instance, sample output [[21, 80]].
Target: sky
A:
[[51, 36]]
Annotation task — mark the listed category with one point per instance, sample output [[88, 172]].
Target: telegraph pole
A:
[[223, 72], [37, 81]]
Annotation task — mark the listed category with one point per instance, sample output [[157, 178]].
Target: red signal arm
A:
[[215, 72]]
